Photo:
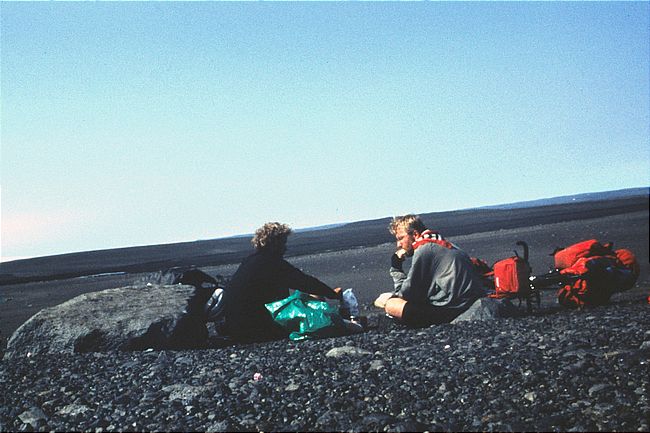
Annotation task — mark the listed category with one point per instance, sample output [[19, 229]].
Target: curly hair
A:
[[271, 236], [408, 222]]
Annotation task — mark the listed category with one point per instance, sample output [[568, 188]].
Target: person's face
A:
[[405, 240]]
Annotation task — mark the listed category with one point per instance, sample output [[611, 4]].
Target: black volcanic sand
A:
[[555, 370]]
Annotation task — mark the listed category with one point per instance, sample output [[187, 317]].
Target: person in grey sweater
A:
[[441, 282]]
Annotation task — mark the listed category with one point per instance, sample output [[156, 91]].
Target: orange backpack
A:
[[512, 278], [596, 273], [565, 258], [589, 282], [627, 259]]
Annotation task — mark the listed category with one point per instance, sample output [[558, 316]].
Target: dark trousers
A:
[[421, 315]]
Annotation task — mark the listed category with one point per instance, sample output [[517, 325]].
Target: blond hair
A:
[[409, 223], [271, 236]]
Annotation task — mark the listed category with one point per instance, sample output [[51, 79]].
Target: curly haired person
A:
[[264, 277]]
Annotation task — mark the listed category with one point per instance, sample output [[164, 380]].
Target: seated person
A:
[[441, 283], [265, 277]]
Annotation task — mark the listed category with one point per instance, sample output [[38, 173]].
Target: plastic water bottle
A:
[[350, 303]]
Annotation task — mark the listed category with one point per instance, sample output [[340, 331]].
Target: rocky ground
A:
[[556, 370]]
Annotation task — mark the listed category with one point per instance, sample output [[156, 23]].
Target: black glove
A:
[[396, 262]]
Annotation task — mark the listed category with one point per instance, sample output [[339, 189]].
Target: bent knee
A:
[[395, 307]]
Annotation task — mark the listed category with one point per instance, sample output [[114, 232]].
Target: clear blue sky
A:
[[138, 123]]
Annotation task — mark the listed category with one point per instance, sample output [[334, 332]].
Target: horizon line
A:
[[331, 225]]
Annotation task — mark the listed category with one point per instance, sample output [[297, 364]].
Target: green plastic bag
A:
[[306, 317]]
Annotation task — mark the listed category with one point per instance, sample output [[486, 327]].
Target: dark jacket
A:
[[261, 278]]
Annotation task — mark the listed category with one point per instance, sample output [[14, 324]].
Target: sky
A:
[[139, 123]]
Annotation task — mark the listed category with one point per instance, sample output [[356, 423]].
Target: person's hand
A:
[[401, 253], [397, 259], [380, 302], [339, 292]]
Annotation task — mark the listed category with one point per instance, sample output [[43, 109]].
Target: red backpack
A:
[[596, 273], [565, 258], [588, 282], [511, 278], [627, 259]]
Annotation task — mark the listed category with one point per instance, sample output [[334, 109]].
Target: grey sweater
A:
[[440, 276]]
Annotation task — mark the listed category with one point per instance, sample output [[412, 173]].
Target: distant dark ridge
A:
[[358, 234], [589, 196]]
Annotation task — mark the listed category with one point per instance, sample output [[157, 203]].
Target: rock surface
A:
[[339, 352], [126, 318]]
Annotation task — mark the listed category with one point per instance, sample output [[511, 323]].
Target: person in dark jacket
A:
[[264, 277], [441, 282]]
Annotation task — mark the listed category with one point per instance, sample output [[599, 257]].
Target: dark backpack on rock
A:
[[190, 330]]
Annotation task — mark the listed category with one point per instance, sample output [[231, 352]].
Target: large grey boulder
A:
[[488, 309], [126, 318]]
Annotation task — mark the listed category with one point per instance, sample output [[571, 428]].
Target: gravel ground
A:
[[556, 370]]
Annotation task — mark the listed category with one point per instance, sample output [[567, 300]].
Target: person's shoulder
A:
[[254, 258], [431, 249], [251, 257], [424, 250], [429, 246], [267, 257]]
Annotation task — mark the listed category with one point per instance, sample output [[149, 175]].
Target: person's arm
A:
[[397, 271], [295, 279], [410, 287]]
